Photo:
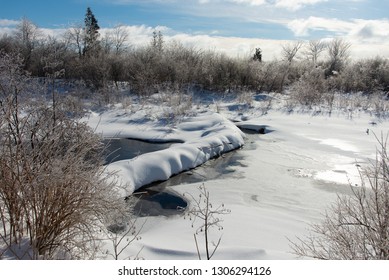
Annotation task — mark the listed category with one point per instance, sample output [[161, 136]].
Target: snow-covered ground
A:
[[296, 171]]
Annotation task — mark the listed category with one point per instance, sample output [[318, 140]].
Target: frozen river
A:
[[158, 198]]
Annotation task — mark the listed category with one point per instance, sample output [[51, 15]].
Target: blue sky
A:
[[360, 21]]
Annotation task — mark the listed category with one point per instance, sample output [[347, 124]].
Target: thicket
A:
[[54, 192], [307, 69]]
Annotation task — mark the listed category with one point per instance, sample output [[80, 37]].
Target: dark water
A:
[[123, 148], [159, 203], [158, 198]]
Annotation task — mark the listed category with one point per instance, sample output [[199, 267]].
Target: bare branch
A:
[[208, 216]]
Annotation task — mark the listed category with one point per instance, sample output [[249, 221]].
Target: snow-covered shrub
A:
[[53, 189], [308, 91], [223, 72], [141, 67], [182, 66], [380, 104], [368, 76], [268, 75], [338, 51], [126, 102], [176, 106], [246, 98]]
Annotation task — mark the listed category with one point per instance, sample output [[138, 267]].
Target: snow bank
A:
[[203, 137]]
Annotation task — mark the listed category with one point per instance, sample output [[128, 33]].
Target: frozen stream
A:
[[275, 186], [158, 199]]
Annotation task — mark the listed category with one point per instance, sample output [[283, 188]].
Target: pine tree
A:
[[91, 33], [258, 55]]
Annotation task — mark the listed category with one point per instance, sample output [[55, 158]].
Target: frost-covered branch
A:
[[208, 215]]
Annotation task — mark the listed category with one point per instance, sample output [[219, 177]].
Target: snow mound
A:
[[204, 137]]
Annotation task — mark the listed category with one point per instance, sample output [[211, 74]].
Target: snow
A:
[[296, 171], [342, 145], [203, 137]]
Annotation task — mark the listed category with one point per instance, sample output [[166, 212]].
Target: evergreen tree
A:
[[91, 33], [258, 55]]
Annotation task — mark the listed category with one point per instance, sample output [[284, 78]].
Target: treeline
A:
[[83, 54]]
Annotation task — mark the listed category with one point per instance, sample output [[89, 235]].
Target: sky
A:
[[233, 26]]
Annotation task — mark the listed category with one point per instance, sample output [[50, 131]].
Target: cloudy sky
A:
[[233, 26]]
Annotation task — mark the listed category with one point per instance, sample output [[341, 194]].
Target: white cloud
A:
[[7, 26], [8, 22], [295, 5], [368, 38], [250, 2], [302, 27], [6, 31], [371, 30], [245, 2], [55, 32], [354, 29]]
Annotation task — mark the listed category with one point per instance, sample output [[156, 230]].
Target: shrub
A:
[[53, 188], [309, 89]]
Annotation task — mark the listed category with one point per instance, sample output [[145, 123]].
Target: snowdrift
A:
[[203, 137]]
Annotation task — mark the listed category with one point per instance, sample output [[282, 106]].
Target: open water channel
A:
[[158, 198]]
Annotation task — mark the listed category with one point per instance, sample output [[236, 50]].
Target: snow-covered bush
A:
[[368, 76], [53, 189], [338, 51], [310, 88], [268, 76], [175, 106], [246, 98]]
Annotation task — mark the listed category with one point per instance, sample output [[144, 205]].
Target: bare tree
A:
[[74, 36], [314, 49], [338, 52], [289, 53], [357, 226], [27, 35], [118, 37], [209, 218]]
